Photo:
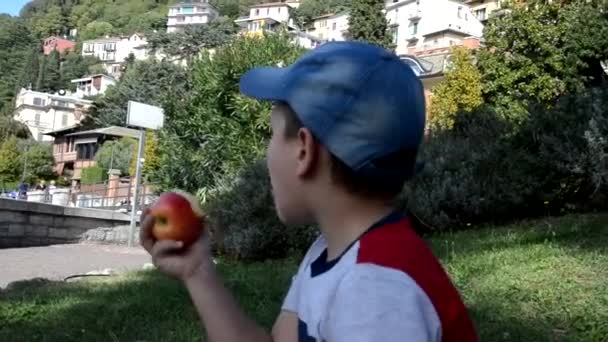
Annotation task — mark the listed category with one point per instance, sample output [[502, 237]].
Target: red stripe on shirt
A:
[[396, 245]]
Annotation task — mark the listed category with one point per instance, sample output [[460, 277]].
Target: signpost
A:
[[142, 116]]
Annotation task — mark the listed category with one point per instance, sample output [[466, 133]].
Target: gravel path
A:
[[59, 261]]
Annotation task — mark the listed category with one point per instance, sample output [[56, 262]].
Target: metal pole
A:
[[140, 156]]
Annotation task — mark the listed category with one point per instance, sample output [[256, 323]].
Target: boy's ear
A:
[[308, 153]]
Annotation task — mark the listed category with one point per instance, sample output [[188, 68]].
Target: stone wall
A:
[[36, 224]]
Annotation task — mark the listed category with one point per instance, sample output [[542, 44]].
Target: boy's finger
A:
[[145, 232], [166, 247]]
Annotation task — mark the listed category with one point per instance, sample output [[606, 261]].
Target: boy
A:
[[347, 122]]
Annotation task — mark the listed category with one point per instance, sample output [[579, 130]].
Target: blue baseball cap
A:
[[362, 102]]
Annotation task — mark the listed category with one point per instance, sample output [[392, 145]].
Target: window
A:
[[413, 26], [59, 103], [188, 9], [279, 9], [333, 26], [481, 14], [257, 11], [115, 69], [37, 119], [394, 31], [39, 101], [64, 120], [181, 19], [459, 12], [85, 151], [267, 11]]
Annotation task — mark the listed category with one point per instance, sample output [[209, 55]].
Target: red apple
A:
[[178, 217]]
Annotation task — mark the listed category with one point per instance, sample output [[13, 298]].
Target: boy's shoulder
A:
[[389, 270]]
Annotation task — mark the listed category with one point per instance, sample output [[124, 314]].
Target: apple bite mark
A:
[[194, 203]]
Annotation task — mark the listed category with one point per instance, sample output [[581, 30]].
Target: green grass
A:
[[544, 280]]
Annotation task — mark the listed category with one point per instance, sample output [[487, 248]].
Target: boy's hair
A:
[[341, 173]]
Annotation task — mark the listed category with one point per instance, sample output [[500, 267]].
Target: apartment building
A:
[[330, 27], [190, 13], [44, 112], [423, 26], [113, 51]]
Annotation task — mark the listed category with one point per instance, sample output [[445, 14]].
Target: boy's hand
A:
[[171, 257]]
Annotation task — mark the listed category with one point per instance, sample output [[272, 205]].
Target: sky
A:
[[12, 7]]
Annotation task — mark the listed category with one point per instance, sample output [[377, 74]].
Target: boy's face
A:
[[287, 167]]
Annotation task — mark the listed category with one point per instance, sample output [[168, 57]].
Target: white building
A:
[[330, 27], [483, 9], [190, 13], [93, 85], [267, 17], [44, 112], [424, 26], [113, 51]]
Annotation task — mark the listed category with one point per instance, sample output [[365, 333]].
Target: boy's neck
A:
[[346, 220]]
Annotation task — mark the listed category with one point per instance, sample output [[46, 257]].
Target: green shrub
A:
[[488, 170], [92, 175], [243, 219], [215, 130]]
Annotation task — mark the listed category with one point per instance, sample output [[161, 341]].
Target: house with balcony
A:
[[423, 26], [75, 149], [483, 9], [113, 51], [190, 13], [93, 85], [330, 27], [45, 112], [268, 17], [55, 43], [275, 16]]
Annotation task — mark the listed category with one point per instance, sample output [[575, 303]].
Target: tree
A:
[[39, 157], [116, 154], [542, 51], [214, 129], [41, 79], [187, 45], [368, 23], [10, 127], [97, 29], [460, 90], [10, 161], [151, 157], [310, 9], [50, 22], [76, 66], [16, 43], [29, 72], [51, 77], [146, 81]]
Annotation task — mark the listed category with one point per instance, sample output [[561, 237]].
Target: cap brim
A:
[[264, 83]]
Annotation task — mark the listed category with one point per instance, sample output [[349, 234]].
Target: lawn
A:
[[543, 280]]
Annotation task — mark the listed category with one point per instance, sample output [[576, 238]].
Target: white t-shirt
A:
[[387, 286]]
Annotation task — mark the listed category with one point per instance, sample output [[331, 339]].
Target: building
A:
[[420, 26], [93, 85], [483, 9], [54, 43], [330, 27], [267, 17], [190, 13], [44, 112], [113, 51], [74, 150]]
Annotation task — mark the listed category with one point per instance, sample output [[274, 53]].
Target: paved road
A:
[[59, 261]]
